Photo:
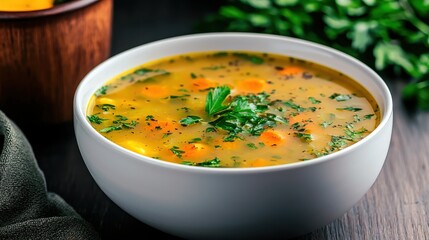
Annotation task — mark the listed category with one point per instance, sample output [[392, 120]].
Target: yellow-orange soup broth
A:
[[233, 109]]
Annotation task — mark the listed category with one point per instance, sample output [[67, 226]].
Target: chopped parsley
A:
[[177, 151], [294, 106], [150, 118], [243, 114], [356, 118], [220, 54], [194, 140], [182, 97], [189, 120], [249, 57], [106, 107], [214, 163], [101, 91], [353, 134], [210, 129], [369, 116], [144, 71], [313, 100], [96, 119], [166, 134], [252, 145], [213, 68], [120, 123], [352, 109], [337, 142], [325, 124], [304, 136], [111, 128], [340, 97]]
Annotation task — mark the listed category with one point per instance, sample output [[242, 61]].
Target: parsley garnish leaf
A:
[[215, 100]]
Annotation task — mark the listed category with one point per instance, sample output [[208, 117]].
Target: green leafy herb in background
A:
[[389, 35]]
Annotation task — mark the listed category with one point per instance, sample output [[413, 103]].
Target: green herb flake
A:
[[304, 136], [249, 57], [144, 71], [340, 97], [252, 146], [213, 68], [294, 106], [356, 118], [368, 116], [325, 124], [353, 134], [119, 124], [193, 75], [313, 100], [165, 135], [195, 140], [96, 119], [101, 91], [182, 97], [210, 129], [110, 129], [214, 163], [106, 107], [177, 151], [150, 118], [352, 109], [220, 54], [337, 142], [189, 120]]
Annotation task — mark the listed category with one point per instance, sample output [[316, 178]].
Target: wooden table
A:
[[396, 207]]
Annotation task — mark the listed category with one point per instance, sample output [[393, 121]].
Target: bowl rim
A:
[[386, 115], [55, 10]]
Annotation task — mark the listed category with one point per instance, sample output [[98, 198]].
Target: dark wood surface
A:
[[38, 62], [396, 207]]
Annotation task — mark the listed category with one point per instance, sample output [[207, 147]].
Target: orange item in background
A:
[[25, 5]]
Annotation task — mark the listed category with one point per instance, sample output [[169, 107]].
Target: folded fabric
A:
[[27, 210]]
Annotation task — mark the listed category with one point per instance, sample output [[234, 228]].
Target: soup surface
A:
[[233, 109]]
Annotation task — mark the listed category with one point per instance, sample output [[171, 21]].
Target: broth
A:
[[233, 109]]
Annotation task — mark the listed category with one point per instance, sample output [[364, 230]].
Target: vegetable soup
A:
[[233, 109]]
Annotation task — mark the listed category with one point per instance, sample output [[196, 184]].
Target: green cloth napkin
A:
[[27, 210]]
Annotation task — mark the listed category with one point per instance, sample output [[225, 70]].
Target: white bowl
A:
[[194, 202]]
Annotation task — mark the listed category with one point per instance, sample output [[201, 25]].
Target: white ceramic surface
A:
[[195, 202]]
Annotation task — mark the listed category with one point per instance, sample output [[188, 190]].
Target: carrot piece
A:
[[154, 91], [251, 85], [202, 83], [291, 70], [271, 137], [260, 162], [193, 150]]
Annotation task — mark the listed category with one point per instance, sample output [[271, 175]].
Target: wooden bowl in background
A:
[[44, 55]]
